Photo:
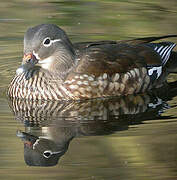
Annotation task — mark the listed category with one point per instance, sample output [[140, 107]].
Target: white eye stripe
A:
[[51, 41], [55, 40], [48, 153]]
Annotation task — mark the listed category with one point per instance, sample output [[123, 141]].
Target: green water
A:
[[106, 148]]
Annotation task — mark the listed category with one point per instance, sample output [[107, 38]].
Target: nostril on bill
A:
[[30, 61]]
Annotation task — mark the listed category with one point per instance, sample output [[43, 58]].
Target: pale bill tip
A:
[[20, 70]]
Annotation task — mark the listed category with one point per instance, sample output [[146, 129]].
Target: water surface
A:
[[129, 138]]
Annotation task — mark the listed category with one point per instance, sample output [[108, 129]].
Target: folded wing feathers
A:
[[163, 49]]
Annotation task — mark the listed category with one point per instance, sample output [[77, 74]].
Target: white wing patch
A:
[[154, 72], [157, 70]]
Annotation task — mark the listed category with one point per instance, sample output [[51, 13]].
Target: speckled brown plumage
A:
[[78, 86]]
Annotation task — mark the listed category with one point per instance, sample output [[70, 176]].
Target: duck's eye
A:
[[47, 153], [47, 42]]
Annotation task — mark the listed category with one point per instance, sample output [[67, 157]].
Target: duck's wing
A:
[[148, 59], [108, 58], [116, 58], [120, 55]]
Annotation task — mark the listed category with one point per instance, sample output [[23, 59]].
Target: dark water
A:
[[124, 138]]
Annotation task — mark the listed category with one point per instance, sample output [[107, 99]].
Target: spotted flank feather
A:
[[164, 49]]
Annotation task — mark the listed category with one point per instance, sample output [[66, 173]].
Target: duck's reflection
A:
[[43, 151], [50, 126]]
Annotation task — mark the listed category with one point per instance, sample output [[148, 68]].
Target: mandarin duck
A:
[[53, 68]]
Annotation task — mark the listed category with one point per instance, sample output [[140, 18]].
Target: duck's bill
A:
[[29, 61], [28, 139]]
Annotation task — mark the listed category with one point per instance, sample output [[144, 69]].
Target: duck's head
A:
[[48, 46], [40, 151]]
